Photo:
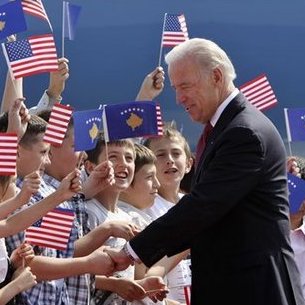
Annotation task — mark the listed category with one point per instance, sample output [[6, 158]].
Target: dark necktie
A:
[[202, 142]]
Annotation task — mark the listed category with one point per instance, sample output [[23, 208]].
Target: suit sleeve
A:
[[232, 173]]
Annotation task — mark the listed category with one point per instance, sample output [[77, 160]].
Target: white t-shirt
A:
[[3, 260]]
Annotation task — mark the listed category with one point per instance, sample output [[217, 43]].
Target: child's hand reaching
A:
[[23, 253], [31, 184]]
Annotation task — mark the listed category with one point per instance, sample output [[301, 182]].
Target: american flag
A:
[[174, 30], [259, 92], [52, 231], [159, 120], [36, 9], [8, 153], [36, 54], [58, 124]]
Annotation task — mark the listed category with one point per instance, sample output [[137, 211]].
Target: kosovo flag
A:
[[131, 120], [71, 15], [87, 125], [12, 19], [296, 188], [295, 124]]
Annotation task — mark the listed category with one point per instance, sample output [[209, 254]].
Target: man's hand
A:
[[58, 79], [152, 85], [100, 178], [18, 118], [120, 259], [70, 185], [30, 186]]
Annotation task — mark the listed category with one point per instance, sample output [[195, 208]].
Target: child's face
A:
[[172, 163], [33, 157], [122, 158], [144, 188], [63, 158]]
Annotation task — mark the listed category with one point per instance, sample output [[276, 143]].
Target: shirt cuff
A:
[[132, 253]]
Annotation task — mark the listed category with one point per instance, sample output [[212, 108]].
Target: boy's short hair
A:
[[170, 131], [143, 156], [36, 126], [45, 114], [93, 154]]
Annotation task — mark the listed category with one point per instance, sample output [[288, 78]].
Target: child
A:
[[173, 161], [103, 207]]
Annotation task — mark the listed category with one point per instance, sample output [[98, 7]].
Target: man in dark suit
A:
[[235, 220]]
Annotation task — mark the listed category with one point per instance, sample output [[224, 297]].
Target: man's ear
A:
[[217, 75]]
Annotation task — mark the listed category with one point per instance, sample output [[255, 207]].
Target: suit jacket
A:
[[236, 218]]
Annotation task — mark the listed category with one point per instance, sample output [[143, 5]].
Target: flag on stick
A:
[[52, 231], [132, 119], [8, 153], [175, 30], [36, 9], [87, 125], [295, 124], [296, 189], [71, 16], [34, 55], [58, 124], [259, 92], [12, 19]]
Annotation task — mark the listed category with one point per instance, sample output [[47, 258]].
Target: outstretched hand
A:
[[120, 259]]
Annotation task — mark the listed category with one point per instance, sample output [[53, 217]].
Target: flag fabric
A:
[[53, 230], [12, 19], [36, 9], [8, 154], [259, 92], [58, 124], [87, 125], [296, 189], [295, 124], [174, 30], [71, 16], [132, 119], [34, 55]]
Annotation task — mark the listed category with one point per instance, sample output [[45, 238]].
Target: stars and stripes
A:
[[174, 31], [159, 120], [58, 124], [8, 153], [53, 230], [34, 8], [36, 54], [259, 92]]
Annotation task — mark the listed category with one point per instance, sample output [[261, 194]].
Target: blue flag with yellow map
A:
[[131, 120], [12, 19], [87, 125]]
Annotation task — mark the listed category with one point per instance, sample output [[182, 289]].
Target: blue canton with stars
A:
[[18, 50], [172, 24], [296, 188], [296, 121]]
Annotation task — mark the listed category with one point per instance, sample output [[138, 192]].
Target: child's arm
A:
[[23, 279], [21, 220]]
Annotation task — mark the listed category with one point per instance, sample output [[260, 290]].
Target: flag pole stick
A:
[[63, 29], [288, 131], [106, 135], [161, 44]]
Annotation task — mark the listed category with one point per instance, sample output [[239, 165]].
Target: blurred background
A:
[[118, 41]]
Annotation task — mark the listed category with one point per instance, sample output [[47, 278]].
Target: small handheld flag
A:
[[8, 153], [58, 124], [132, 119], [296, 188], [295, 124], [34, 55], [87, 125], [71, 16], [12, 19], [52, 231], [259, 92]]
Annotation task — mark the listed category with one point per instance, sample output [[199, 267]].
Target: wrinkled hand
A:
[[154, 287], [30, 186], [129, 290], [70, 185], [120, 259], [152, 85], [58, 78], [292, 166], [23, 252], [18, 118], [122, 229], [100, 263], [24, 278], [100, 178]]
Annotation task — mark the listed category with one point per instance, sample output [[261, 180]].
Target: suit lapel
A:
[[233, 108]]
